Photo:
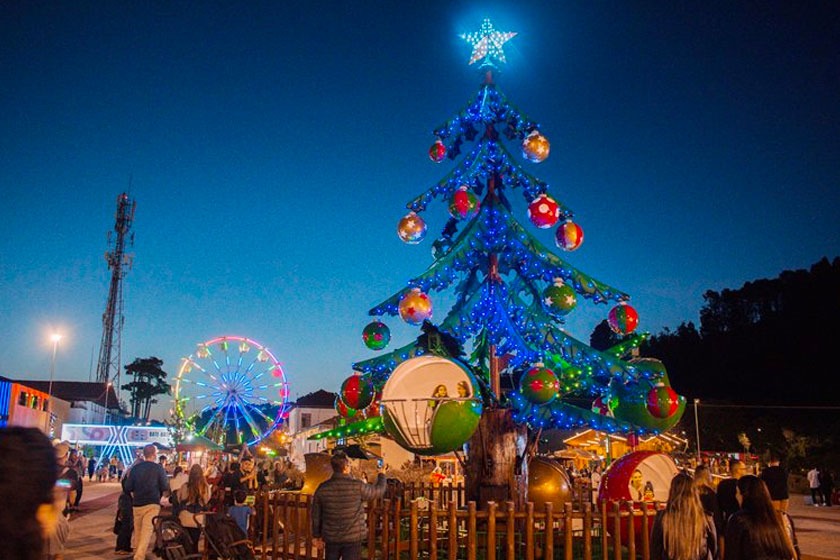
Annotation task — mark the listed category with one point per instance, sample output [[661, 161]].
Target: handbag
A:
[[117, 524]]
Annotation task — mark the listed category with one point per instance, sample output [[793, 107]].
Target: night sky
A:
[[271, 148]]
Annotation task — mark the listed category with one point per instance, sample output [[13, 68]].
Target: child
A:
[[240, 512]]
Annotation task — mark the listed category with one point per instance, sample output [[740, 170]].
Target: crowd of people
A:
[[744, 516], [151, 483]]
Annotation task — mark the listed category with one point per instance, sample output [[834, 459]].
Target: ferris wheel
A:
[[231, 390]]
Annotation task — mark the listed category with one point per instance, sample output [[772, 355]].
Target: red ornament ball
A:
[[357, 392], [376, 335], [343, 410], [662, 401], [464, 204], [544, 211], [623, 319], [437, 151], [415, 307], [539, 385], [568, 236]]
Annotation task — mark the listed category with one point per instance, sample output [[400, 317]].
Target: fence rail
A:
[[434, 522]]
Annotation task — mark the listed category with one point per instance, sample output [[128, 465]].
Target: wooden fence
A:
[[436, 525]]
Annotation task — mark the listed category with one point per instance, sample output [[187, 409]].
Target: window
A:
[[23, 398], [305, 420]]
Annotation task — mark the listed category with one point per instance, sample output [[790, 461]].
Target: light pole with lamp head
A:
[[55, 337], [697, 429], [105, 414]]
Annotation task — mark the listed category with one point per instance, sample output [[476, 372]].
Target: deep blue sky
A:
[[272, 147]]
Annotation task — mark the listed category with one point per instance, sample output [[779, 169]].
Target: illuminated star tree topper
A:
[[487, 44]]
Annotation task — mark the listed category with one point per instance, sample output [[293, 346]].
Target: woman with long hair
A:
[[193, 498], [683, 530], [757, 530], [708, 497], [29, 513]]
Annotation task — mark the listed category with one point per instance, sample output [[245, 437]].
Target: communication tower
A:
[[119, 262]]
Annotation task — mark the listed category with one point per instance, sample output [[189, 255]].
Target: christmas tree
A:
[[511, 294]]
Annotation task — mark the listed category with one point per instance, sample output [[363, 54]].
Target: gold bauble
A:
[[535, 147]]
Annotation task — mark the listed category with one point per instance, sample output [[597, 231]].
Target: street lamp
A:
[[105, 414], [55, 337], [697, 428]]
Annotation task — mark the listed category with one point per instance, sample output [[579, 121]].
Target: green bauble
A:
[[633, 398], [539, 385], [453, 424], [559, 299]]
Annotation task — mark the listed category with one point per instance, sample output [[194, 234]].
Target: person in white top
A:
[[814, 484]]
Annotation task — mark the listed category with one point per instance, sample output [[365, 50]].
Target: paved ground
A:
[[91, 536]]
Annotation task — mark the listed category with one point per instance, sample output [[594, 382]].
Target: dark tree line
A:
[[769, 342], [762, 362]]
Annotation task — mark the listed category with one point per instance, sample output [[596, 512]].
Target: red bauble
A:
[[623, 319], [569, 236], [544, 211], [343, 410], [357, 392], [437, 151], [662, 401]]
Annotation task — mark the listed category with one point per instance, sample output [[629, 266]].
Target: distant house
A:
[[24, 403], [87, 400], [310, 414]]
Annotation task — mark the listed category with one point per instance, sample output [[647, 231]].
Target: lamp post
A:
[[55, 337], [105, 414], [697, 428]]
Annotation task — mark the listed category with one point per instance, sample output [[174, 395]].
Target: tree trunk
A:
[[496, 466]]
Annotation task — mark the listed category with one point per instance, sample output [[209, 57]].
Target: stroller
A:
[[224, 538], [172, 542]]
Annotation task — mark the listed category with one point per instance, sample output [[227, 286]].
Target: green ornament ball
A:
[[560, 299], [539, 385]]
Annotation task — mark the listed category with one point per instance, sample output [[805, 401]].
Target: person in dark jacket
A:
[[147, 483], [776, 479], [338, 510], [726, 490]]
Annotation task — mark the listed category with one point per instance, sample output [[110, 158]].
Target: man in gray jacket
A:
[[338, 508]]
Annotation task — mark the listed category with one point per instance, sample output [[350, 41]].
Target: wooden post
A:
[[433, 531], [491, 531], [510, 530], [412, 530], [631, 530], [568, 530], [548, 547], [471, 529], [453, 530], [496, 467], [587, 532]]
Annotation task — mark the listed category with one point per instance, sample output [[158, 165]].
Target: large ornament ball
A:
[[544, 211], [568, 236], [376, 335], [437, 151], [535, 147], [415, 307], [539, 385], [623, 319], [464, 204], [662, 401], [343, 410], [559, 298], [411, 229], [357, 392]]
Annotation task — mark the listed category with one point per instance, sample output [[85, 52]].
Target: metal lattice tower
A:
[[119, 262]]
